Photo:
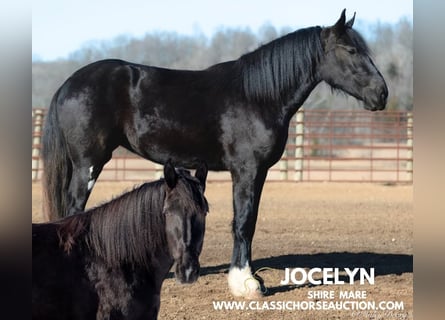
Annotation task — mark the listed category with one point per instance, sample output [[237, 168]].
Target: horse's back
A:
[[44, 237], [102, 97], [96, 83], [58, 278], [119, 82], [147, 110], [49, 252]]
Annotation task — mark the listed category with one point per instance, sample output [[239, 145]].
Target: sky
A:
[[62, 27]]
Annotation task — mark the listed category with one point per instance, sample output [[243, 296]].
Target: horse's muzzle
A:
[[377, 99], [188, 273]]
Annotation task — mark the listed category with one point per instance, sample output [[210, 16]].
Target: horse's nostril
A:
[[383, 95]]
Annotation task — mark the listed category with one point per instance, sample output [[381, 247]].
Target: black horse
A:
[[234, 115], [109, 262]]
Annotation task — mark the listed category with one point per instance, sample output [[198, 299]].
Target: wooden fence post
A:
[[409, 144], [159, 171], [37, 115], [283, 166], [299, 129]]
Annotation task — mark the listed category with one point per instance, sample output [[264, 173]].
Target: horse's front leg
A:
[[247, 189]]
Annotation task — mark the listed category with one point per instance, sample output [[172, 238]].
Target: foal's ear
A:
[[170, 175], [201, 174]]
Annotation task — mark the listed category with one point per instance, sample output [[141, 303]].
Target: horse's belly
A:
[[183, 148]]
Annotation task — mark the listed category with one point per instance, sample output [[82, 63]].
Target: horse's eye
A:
[[351, 50]]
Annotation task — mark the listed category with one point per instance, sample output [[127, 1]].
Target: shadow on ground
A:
[[383, 264]]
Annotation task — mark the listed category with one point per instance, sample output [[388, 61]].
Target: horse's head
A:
[[347, 66], [185, 210]]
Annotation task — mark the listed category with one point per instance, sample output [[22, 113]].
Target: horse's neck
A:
[[298, 97], [158, 269]]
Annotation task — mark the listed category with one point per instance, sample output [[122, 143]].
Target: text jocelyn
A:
[[319, 276]]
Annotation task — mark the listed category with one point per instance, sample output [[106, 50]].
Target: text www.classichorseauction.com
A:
[[355, 301]]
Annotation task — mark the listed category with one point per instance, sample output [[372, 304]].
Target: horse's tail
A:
[[57, 167]]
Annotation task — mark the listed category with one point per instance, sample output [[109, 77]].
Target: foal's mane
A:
[[131, 227], [277, 67]]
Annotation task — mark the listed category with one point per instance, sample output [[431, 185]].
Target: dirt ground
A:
[[307, 225]]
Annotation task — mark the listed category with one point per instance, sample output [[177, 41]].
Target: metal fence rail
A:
[[323, 145], [351, 146]]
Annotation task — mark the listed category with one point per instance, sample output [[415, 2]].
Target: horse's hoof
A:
[[243, 284], [254, 295], [249, 293]]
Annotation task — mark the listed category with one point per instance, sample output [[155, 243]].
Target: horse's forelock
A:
[[190, 193], [358, 41]]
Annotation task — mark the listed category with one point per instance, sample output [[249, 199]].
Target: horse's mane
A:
[[277, 67], [272, 71], [131, 227]]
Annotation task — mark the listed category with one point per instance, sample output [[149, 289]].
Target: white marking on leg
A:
[[188, 272], [92, 180], [91, 184], [243, 284]]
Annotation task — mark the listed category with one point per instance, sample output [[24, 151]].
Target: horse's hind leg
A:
[[82, 182], [87, 163], [90, 141]]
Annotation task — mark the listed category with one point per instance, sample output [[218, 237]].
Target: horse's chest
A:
[[113, 290]]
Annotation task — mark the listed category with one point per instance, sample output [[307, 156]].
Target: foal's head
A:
[[185, 210], [346, 65]]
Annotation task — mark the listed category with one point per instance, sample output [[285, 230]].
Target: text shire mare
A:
[[234, 116], [109, 262]]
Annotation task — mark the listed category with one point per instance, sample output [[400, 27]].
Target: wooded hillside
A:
[[391, 46]]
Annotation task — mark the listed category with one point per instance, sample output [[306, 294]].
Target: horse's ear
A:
[[170, 175], [350, 23], [339, 27], [201, 174]]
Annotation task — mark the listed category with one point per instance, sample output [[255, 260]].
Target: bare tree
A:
[[392, 47]]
